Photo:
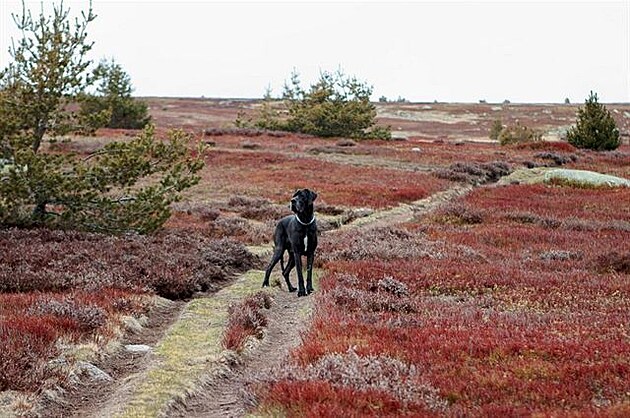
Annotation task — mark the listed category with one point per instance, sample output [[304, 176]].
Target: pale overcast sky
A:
[[423, 51]]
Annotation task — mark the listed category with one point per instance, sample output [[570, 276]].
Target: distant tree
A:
[[567, 101], [99, 191], [495, 129], [382, 99], [595, 127], [518, 134], [335, 106], [112, 102]]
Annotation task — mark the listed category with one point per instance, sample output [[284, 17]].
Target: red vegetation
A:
[[546, 146], [558, 203], [31, 323], [173, 265], [316, 399], [75, 286], [270, 175], [246, 319], [502, 313]]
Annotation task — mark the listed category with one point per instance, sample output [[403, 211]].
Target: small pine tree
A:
[[595, 127], [495, 129], [112, 104], [335, 106]]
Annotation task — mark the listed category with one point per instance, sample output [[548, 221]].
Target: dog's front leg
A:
[[309, 272], [298, 267]]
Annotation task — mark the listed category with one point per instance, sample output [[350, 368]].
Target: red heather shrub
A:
[[613, 262], [239, 229], [546, 146], [26, 344], [171, 264], [246, 319], [383, 243], [367, 374], [475, 173], [365, 301], [553, 202], [314, 399], [87, 317], [456, 213]]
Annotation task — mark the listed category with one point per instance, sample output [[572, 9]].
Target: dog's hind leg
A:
[[277, 256], [309, 272], [287, 271]]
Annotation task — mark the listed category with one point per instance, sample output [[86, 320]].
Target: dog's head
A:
[[302, 199]]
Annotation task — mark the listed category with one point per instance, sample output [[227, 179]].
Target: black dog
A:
[[296, 234]]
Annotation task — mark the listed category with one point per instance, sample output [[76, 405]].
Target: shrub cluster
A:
[[381, 243], [173, 265], [335, 106], [368, 373], [246, 319], [32, 323], [458, 214], [551, 159], [239, 229], [24, 344], [257, 208], [474, 173], [518, 134], [367, 301]]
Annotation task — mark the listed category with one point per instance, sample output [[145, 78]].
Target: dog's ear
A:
[[313, 195]]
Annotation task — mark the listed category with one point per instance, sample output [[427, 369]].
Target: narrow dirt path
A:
[[407, 211], [225, 396]]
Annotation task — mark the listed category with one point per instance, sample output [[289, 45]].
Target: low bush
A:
[[367, 301], [171, 264], [381, 243], [495, 129], [474, 173], [613, 262], [246, 319], [552, 146], [458, 214], [239, 229], [26, 346], [557, 159], [369, 373], [518, 134]]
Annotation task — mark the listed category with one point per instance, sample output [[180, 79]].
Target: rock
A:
[[93, 372], [546, 175], [586, 177], [138, 348], [415, 149]]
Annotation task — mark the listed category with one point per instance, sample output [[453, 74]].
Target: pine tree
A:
[[121, 187], [595, 127], [113, 98]]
